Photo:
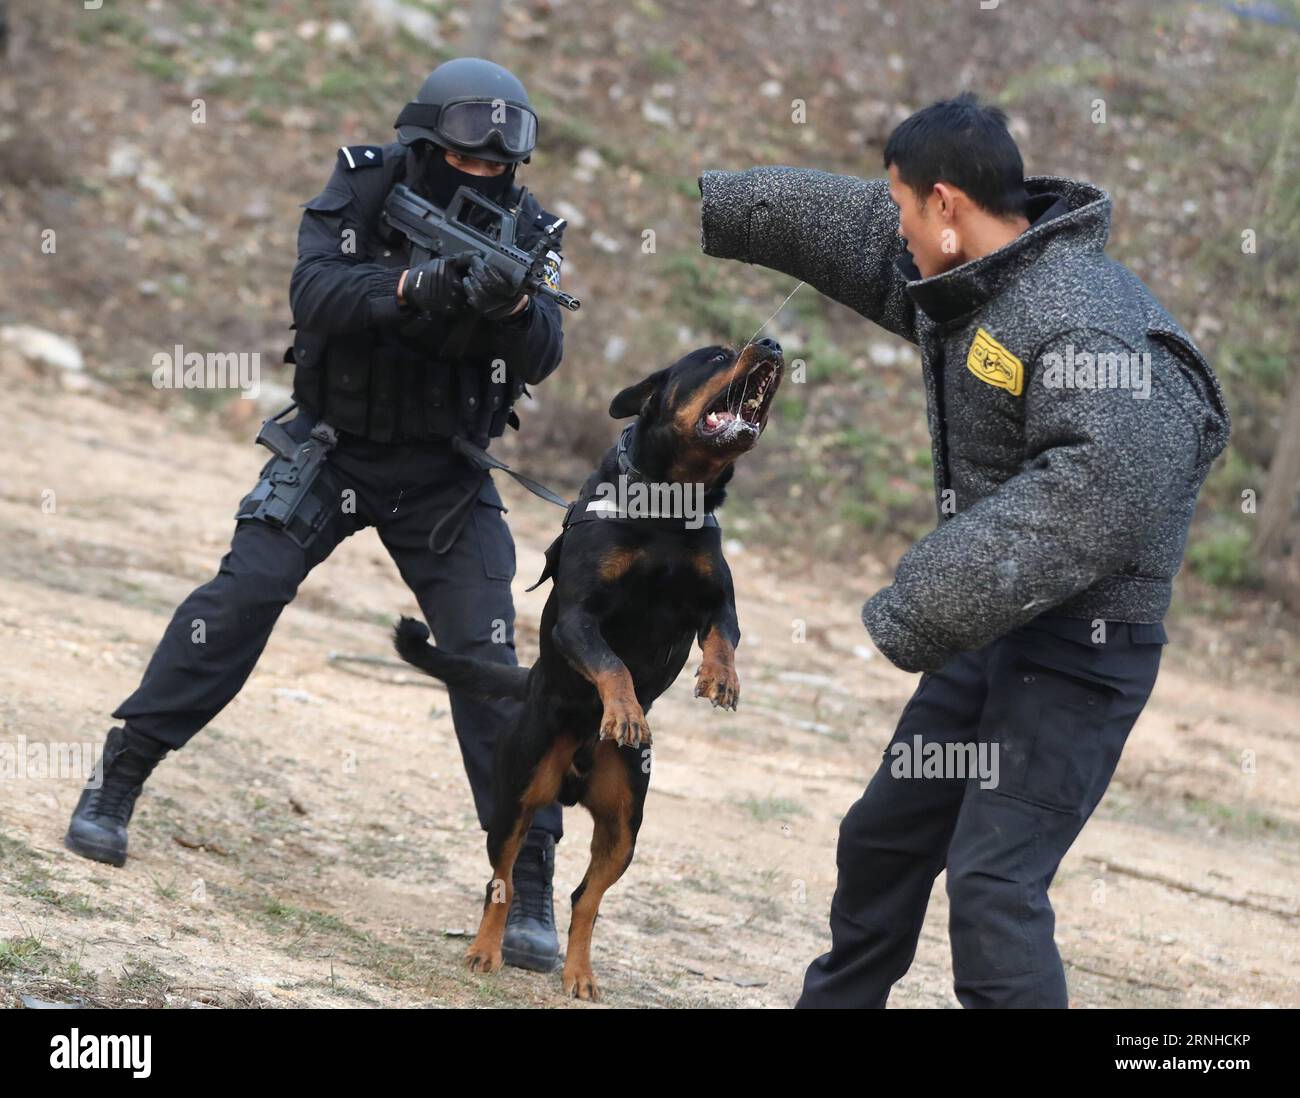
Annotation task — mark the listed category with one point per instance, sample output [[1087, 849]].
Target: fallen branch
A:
[[200, 844], [1076, 967], [1182, 886], [342, 659]]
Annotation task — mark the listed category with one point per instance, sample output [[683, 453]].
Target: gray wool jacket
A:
[[1072, 420]]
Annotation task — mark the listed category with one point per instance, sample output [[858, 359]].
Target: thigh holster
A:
[[292, 493]]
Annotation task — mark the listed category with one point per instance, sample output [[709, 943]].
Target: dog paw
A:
[[483, 959], [719, 684], [580, 983], [624, 722]]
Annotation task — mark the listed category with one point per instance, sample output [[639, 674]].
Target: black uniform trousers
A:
[[464, 594], [1058, 707]]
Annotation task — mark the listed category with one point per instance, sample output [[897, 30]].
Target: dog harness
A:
[[600, 509], [593, 508]]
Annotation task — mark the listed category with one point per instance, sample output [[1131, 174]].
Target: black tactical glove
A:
[[489, 291], [436, 287]]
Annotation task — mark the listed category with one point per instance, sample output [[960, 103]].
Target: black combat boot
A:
[[98, 826], [530, 940]]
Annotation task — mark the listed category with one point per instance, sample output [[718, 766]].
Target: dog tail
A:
[[478, 677]]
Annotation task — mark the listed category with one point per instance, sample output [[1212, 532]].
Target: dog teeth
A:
[[717, 419]]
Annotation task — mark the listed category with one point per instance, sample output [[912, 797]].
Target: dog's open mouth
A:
[[739, 413]]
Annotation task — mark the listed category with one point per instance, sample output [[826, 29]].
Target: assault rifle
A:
[[434, 232]]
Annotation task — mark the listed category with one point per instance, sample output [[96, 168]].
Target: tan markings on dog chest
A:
[[704, 564], [616, 562]]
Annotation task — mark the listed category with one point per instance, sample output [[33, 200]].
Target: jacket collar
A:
[[1066, 215]]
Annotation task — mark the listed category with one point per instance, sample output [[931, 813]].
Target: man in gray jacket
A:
[[1073, 423]]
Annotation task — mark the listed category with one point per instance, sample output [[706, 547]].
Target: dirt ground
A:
[[317, 846]]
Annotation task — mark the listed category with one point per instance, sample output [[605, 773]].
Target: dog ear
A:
[[632, 399]]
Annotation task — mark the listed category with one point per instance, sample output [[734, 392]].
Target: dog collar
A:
[[625, 465], [591, 508]]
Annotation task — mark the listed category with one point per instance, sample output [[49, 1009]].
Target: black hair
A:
[[963, 142]]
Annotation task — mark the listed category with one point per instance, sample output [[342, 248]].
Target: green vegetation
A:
[[766, 809], [29, 966], [1222, 557], [1241, 821], [142, 979], [21, 955]]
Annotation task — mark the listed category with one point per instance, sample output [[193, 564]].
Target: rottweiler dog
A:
[[638, 576]]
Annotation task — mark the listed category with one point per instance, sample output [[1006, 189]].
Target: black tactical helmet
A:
[[474, 107]]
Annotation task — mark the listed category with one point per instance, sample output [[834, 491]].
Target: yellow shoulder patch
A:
[[989, 361]]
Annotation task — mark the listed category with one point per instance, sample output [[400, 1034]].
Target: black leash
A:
[[583, 509], [459, 514], [485, 461]]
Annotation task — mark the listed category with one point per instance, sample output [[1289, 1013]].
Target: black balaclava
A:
[[433, 178]]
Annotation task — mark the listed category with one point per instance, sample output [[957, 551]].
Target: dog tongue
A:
[[717, 419]]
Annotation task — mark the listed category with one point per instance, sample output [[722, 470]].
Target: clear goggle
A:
[[480, 123]]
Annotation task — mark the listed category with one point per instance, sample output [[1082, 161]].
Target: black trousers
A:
[[218, 633], [1048, 709]]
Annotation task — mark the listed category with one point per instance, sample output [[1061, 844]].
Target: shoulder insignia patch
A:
[[551, 269], [989, 361], [352, 157]]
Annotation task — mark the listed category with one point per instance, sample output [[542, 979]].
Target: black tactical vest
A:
[[424, 380]]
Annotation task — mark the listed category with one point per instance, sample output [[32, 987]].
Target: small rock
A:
[[606, 243], [297, 118], [571, 213], [257, 209], [339, 34], [43, 348], [165, 37], [158, 187], [655, 114], [588, 162], [226, 66], [882, 354], [395, 15], [615, 345], [123, 160], [79, 383]]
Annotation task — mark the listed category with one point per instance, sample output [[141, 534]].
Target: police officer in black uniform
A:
[[403, 372]]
